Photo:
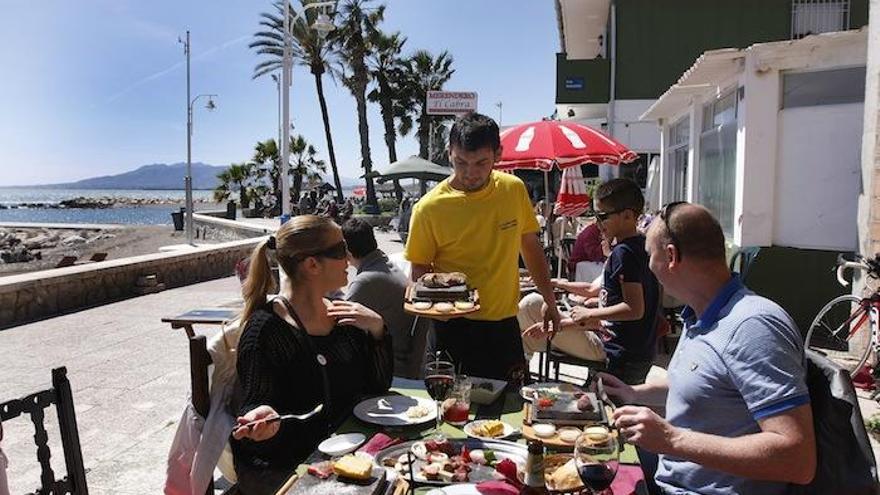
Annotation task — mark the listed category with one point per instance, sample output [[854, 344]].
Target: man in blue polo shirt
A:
[[738, 418]]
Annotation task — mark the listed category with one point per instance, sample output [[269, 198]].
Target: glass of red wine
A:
[[597, 455], [439, 380]]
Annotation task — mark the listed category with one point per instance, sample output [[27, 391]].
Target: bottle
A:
[[534, 479]]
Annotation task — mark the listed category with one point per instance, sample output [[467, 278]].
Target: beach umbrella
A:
[[413, 167], [572, 199], [359, 191]]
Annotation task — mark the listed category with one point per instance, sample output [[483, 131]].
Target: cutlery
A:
[[283, 417]]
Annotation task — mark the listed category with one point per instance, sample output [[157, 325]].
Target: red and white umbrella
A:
[[540, 145], [572, 199]]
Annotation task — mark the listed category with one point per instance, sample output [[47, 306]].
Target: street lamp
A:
[[278, 91], [189, 125], [323, 25]]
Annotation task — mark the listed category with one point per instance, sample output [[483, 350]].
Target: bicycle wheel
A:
[[842, 333]]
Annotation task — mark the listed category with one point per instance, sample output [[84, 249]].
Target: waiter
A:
[[477, 222]]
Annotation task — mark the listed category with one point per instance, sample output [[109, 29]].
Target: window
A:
[[818, 16], [677, 159], [718, 159], [827, 87]]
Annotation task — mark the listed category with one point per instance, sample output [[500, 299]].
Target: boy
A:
[[629, 296]]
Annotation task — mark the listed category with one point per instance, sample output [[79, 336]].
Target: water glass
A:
[[457, 406]]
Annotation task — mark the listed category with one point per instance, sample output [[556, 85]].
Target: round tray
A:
[[432, 313]]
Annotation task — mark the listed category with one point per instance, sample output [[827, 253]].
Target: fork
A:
[[283, 417]]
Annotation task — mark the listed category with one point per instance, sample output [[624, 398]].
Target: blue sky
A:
[[98, 87]]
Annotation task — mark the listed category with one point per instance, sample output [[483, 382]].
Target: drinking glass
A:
[[458, 404], [597, 455], [439, 380]]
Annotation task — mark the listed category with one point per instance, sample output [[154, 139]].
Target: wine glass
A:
[[597, 456], [439, 379]]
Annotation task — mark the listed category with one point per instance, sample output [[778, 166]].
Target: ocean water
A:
[[135, 215]]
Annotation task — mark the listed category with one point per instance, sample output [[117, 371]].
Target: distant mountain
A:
[[156, 176]]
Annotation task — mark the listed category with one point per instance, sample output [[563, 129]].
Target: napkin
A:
[[627, 480], [497, 487], [378, 442]]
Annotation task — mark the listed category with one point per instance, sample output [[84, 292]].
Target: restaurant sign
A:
[[451, 102]]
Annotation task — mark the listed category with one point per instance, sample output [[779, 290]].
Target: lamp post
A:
[[323, 25], [278, 90], [500, 106], [189, 119]]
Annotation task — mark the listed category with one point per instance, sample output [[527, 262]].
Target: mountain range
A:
[[163, 176]]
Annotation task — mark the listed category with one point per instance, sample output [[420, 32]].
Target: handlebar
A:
[[855, 265]]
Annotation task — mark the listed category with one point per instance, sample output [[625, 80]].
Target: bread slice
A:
[[353, 467]]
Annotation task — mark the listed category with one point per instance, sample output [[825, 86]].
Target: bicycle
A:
[[839, 331]]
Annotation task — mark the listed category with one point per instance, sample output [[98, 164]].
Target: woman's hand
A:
[[358, 315], [260, 430]]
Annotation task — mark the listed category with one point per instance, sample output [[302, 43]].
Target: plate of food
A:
[[352, 474], [396, 410], [441, 295], [486, 390], [546, 389], [488, 429], [454, 461]]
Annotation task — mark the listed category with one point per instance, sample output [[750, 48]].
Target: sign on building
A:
[[451, 102], [574, 83]]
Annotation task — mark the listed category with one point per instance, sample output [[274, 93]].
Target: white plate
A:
[[483, 396], [456, 489], [390, 410], [341, 444], [469, 430]]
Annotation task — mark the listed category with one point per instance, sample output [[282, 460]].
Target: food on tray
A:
[[491, 428], [322, 469], [597, 435], [562, 478], [416, 412], [487, 386], [584, 403], [464, 305], [443, 280], [544, 430], [569, 434], [423, 305], [444, 462], [483, 457], [353, 467], [444, 307]]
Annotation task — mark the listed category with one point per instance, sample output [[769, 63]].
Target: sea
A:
[[13, 197]]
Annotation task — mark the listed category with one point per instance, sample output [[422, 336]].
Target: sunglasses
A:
[[604, 215], [337, 251], [666, 216]]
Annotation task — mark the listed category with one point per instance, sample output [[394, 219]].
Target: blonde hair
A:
[[299, 235]]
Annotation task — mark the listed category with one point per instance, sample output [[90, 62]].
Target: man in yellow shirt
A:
[[477, 222]]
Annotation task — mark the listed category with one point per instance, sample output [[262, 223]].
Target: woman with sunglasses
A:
[[299, 350]]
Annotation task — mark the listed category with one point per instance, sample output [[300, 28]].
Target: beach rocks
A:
[[73, 240], [18, 254]]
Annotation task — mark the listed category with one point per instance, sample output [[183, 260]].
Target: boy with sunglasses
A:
[[629, 296]]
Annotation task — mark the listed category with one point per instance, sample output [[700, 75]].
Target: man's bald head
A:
[[694, 231]]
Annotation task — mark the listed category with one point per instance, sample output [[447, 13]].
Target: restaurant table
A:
[[205, 316], [508, 408]]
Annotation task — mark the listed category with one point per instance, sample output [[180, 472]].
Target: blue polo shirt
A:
[[740, 362]]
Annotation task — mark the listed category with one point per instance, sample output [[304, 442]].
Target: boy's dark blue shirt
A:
[[635, 340]]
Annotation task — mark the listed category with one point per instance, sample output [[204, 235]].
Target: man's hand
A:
[[643, 427], [551, 317], [615, 388]]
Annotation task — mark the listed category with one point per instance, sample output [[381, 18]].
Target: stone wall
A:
[[210, 227], [869, 201], [42, 294]]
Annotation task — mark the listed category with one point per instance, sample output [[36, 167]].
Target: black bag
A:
[[845, 461]]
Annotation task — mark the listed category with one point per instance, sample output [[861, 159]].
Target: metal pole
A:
[[285, 113], [278, 93], [188, 180]]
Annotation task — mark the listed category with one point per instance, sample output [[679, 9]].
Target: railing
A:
[[819, 16]]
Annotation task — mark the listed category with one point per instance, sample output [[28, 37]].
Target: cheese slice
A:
[[354, 467]]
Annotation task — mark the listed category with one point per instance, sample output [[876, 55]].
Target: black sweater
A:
[[279, 369]]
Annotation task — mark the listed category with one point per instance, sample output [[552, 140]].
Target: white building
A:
[[769, 138]]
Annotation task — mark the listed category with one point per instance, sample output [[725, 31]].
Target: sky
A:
[[98, 87]]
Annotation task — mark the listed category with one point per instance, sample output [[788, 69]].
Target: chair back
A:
[[35, 405]]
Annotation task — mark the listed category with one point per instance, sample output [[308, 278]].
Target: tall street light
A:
[[278, 121], [323, 25], [189, 126]]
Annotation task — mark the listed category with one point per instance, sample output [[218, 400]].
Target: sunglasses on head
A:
[[666, 217], [604, 215], [337, 251]]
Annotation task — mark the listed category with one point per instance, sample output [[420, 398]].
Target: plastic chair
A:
[[34, 405]]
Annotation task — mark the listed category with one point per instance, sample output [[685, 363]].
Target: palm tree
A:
[[427, 73], [304, 164], [392, 93], [309, 50], [224, 188], [267, 164], [351, 42], [239, 175]]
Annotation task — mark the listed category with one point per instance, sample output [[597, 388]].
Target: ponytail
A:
[[259, 282]]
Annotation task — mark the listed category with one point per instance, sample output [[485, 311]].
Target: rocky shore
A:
[[102, 202]]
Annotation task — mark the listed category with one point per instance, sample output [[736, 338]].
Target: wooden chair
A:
[[34, 405], [554, 358]]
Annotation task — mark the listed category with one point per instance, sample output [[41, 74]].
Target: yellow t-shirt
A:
[[478, 234]]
